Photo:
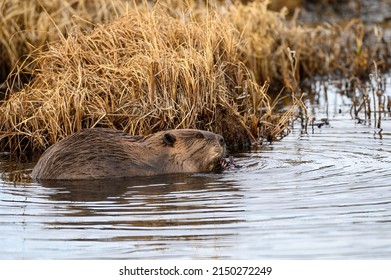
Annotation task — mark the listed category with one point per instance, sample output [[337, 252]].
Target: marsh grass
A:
[[341, 49], [145, 72], [173, 65], [370, 103], [26, 25]]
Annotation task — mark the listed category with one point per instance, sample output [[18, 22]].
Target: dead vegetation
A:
[[26, 25], [346, 48], [143, 73], [167, 66]]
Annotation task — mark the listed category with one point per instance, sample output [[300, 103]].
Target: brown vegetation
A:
[[163, 67], [28, 25]]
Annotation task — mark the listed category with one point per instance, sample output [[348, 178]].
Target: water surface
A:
[[324, 194]]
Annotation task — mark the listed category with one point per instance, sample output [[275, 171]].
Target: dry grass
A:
[[171, 66], [146, 72], [26, 25], [346, 48]]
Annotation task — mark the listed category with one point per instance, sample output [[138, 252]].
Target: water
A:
[[324, 194]]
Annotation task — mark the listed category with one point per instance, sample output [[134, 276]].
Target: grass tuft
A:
[[179, 64]]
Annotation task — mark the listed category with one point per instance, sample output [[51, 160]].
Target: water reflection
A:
[[148, 213], [173, 194]]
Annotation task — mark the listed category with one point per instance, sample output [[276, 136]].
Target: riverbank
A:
[[147, 68]]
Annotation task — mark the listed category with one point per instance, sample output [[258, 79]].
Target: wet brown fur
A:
[[100, 153]]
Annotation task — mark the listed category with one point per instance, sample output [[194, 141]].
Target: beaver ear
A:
[[169, 139], [199, 135]]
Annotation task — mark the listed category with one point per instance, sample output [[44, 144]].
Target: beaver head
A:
[[191, 150]]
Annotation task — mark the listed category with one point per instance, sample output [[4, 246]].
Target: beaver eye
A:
[[200, 135], [222, 141]]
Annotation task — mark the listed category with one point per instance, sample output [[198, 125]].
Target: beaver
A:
[[101, 153]]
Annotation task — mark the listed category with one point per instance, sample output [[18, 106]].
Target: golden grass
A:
[[172, 66], [346, 48], [145, 72], [26, 25]]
